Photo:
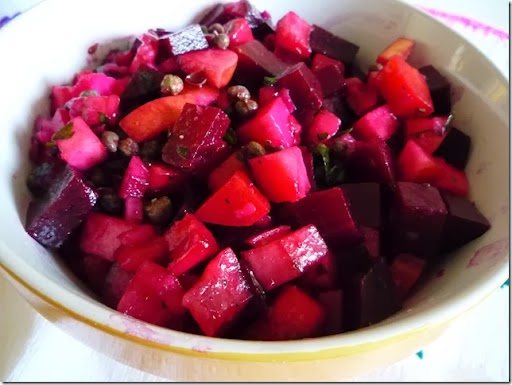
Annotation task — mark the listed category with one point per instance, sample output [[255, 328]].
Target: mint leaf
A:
[[230, 137], [269, 80]]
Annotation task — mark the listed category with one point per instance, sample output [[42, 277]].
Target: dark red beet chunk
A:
[[196, 131], [95, 270], [463, 224], [329, 211], [222, 13], [324, 42], [419, 215], [222, 292], [305, 89], [370, 297], [365, 203], [188, 39], [455, 148], [371, 241], [332, 302], [371, 162], [406, 270], [42, 176], [51, 218], [439, 90], [254, 62], [329, 72]]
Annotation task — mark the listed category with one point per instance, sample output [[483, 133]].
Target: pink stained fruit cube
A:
[[292, 35], [80, 147], [379, 123], [281, 176]]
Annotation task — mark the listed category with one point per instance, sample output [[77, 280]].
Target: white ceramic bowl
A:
[[48, 44]]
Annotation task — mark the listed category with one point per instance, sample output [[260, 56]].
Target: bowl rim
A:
[[242, 350]]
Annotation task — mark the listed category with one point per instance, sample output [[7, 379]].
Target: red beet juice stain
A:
[[490, 253]]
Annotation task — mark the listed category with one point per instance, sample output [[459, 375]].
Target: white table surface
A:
[[473, 348]]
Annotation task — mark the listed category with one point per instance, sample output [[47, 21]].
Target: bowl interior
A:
[[47, 45]]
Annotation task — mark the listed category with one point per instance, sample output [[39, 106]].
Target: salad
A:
[[240, 178]]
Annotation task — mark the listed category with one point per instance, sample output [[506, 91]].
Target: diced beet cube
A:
[[451, 179], [370, 298], [379, 123], [324, 42], [222, 13], [455, 148], [135, 179], [158, 115], [439, 88], [188, 39], [307, 156], [42, 175], [94, 81], [281, 176], [131, 257], [428, 133], [400, 46], [239, 32], [414, 164], [404, 89], [215, 14], [51, 218], [189, 243], [323, 275], [100, 234], [371, 241], [305, 89], [463, 224], [360, 97], [255, 61], [95, 110], [145, 52], [293, 315], [371, 162], [164, 179], [329, 72], [292, 34], [60, 96], [406, 270], [268, 236], [196, 128], [154, 295], [116, 282], [218, 65], [137, 235], [83, 149], [287, 258], [220, 295], [332, 303], [237, 203], [365, 202], [323, 127], [419, 216], [133, 209], [95, 270], [329, 211], [211, 157], [188, 280], [284, 93], [270, 124], [221, 174], [266, 95], [288, 57]]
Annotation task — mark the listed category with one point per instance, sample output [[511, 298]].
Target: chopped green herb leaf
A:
[[182, 151], [323, 136], [347, 131], [102, 118], [269, 81], [230, 137], [65, 132]]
